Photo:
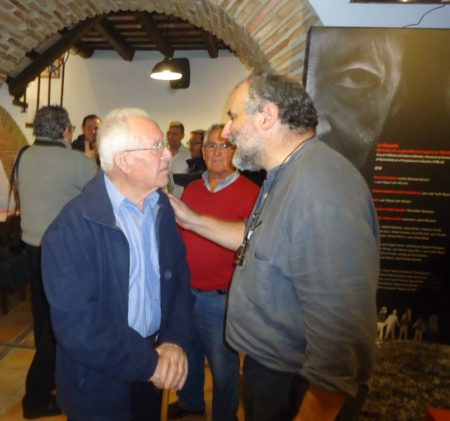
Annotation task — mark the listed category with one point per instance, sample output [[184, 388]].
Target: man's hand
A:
[[228, 234], [320, 404], [172, 368], [184, 215]]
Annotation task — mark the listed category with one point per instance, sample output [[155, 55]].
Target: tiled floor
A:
[[16, 352]]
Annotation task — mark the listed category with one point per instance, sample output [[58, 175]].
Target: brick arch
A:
[[269, 34], [11, 140]]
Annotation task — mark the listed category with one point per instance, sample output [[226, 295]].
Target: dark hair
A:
[[294, 104], [216, 126], [51, 121], [200, 132], [90, 117]]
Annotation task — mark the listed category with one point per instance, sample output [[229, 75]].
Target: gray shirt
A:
[[304, 299], [178, 165], [48, 177]]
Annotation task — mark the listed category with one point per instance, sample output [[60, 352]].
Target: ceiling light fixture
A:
[[166, 70]]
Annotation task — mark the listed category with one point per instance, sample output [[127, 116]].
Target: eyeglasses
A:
[[212, 146], [157, 147]]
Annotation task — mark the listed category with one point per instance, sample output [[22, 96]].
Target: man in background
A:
[[180, 154], [196, 164], [49, 175], [87, 141], [117, 281], [223, 193], [196, 143], [302, 301]]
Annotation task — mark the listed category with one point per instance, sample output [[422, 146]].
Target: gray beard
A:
[[245, 162]]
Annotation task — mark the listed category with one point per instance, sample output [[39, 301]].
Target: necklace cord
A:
[[241, 252]]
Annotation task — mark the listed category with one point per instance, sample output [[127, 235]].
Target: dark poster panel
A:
[[383, 97]]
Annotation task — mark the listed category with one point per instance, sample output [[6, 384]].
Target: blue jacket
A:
[[85, 263]]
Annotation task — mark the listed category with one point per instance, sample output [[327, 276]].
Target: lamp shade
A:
[[166, 70]]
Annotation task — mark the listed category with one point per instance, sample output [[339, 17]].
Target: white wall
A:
[[344, 13], [105, 81]]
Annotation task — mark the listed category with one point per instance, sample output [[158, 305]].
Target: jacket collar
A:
[[97, 205]]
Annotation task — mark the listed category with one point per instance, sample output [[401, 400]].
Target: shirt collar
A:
[[50, 141], [224, 183], [274, 171], [118, 198]]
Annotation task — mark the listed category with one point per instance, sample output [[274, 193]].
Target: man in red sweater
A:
[[222, 193]]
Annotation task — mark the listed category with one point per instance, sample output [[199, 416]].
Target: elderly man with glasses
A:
[[223, 193], [117, 281]]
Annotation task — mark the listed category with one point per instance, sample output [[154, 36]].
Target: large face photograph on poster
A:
[[383, 99]]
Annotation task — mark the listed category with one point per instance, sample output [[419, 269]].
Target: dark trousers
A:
[[271, 395], [145, 405], [145, 402], [40, 379]]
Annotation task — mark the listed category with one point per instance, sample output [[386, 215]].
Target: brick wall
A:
[[11, 140]]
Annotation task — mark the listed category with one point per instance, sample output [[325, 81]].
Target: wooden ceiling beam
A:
[[151, 28], [83, 50], [18, 84], [80, 47], [106, 29], [32, 54], [211, 44]]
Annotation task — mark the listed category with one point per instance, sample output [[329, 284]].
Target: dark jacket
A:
[[78, 143], [85, 261], [196, 167]]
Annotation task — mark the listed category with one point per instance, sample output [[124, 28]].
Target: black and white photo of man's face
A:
[[353, 79]]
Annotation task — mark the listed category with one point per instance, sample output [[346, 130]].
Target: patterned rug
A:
[[409, 377]]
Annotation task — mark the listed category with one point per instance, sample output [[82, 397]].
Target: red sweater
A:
[[212, 265]]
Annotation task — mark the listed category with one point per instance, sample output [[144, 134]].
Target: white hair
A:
[[115, 135]]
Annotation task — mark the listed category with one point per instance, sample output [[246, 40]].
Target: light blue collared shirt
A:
[[224, 183], [144, 302]]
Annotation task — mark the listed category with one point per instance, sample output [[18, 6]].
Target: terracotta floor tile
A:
[[9, 333], [14, 413], [23, 307], [19, 321], [16, 318], [4, 401], [28, 341], [11, 382], [17, 359]]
